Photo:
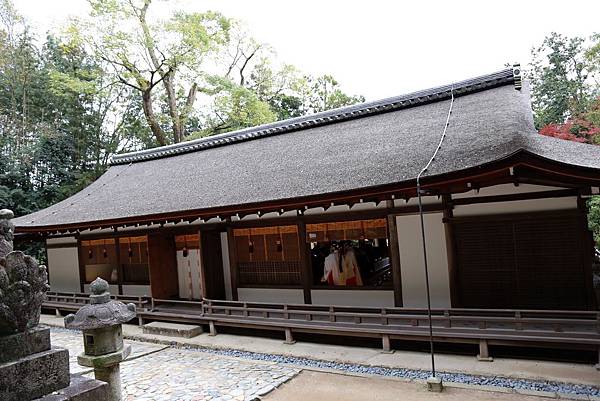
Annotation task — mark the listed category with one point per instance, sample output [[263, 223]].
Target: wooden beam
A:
[[59, 246], [395, 259]]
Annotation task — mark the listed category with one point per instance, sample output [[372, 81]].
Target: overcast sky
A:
[[383, 48]]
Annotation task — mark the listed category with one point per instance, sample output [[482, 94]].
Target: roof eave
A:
[[397, 190]]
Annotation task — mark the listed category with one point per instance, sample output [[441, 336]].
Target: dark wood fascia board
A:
[[62, 245], [192, 229], [436, 184]]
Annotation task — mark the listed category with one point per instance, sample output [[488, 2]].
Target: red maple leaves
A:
[[578, 129]]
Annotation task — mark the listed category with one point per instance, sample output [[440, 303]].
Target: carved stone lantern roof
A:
[[102, 311]]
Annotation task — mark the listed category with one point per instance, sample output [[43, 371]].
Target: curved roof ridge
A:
[[504, 77]]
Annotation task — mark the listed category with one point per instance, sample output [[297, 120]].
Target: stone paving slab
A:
[[159, 373], [73, 341], [186, 375]]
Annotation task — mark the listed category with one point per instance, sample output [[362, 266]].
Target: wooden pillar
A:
[[119, 266], [289, 338], [203, 287], [448, 214], [81, 266], [484, 354], [212, 329], [395, 258], [587, 244], [304, 262], [233, 263], [385, 342]]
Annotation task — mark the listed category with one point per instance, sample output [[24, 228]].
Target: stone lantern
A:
[[101, 322]]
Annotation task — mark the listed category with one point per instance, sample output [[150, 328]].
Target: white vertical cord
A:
[[423, 229]]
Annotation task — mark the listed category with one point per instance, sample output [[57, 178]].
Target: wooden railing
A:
[[74, 300], [569, 329], [483, 326]]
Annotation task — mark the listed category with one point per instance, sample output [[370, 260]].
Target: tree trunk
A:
[[167, 77], [173, 112], [151, 118]]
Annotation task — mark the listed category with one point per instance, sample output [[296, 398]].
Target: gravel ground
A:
[[411, 374], [563, 388]]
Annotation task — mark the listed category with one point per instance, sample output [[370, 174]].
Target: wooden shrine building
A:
[[311, 224]]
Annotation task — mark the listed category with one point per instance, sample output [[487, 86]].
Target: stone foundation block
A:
[[435, 385], [35, 375], [80, 389], [20, 345], [172, 329]]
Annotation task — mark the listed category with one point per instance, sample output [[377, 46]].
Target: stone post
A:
[[30, 367], [112, 376], [101, 322]]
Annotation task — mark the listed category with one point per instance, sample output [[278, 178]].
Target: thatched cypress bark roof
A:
[[366, 145]]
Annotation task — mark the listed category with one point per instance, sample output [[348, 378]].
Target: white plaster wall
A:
[[63, 269], [226, 266], [376, 298], [522, 206], [276, 295], [411, 261], [137, 290]]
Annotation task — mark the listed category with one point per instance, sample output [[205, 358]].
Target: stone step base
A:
[[35, 375], [81, 389], [20, 345], [172, 329]]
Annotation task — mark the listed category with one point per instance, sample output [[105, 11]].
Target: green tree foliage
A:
[[59, 117], [162, 60], [198, 74], [124, 79], [565, 74], [561, 79]]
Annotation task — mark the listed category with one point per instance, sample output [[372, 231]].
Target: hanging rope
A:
[[437, 149]]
